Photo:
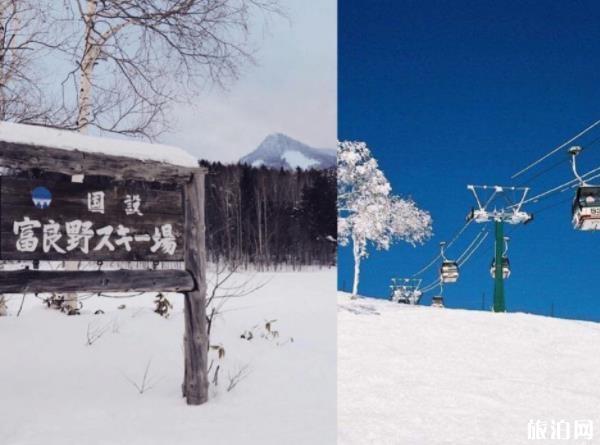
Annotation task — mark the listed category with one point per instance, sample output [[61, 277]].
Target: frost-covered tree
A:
[[369, 214]]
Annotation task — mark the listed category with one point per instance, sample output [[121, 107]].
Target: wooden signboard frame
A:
[[191, 281]]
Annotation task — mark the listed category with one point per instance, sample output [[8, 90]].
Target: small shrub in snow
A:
[[146, 383], [215, 379], [220, 350], [163, 305], [266, 332], [95, 332], [3, 306], [54, 301], [247, 335], [269, 330], [236, 377], [57, 301]]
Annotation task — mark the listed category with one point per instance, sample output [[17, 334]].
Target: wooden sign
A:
[[81, 205], [99, 219]]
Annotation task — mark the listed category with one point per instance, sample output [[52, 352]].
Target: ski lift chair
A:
[[437, 301], [505, 268], [586, 205], [586, 208], [449, 271]]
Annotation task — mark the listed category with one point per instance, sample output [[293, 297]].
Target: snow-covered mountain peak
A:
[[278, 150]]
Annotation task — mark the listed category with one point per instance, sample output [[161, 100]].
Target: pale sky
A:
[[292, 89]]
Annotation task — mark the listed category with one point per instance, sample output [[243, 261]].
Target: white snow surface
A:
[[71, 140], [420, 375], [295, 159], [56, 389]]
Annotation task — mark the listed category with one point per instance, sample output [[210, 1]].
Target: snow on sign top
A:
[[70, 140]]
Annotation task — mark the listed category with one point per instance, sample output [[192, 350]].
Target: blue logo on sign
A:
[[41, 197]]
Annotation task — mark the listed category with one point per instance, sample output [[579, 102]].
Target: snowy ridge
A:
[[281, 151], [71, 140], [422, 375]]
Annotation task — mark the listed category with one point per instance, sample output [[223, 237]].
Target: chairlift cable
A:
[[514, 228], [456, 236], [591, 178], [560, 147], [466, 251], [569, 184], [474, 249], [532, 178], [566, 185], [430, 264], [459, 233], [555, 204], [431, 286]]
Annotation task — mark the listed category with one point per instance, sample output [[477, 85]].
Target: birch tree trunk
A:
[[357, 256], [90, 55], [2, 61]]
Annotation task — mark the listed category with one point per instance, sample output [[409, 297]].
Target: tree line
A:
[[269, 217]]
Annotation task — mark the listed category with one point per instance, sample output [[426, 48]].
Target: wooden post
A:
[[195, 385]]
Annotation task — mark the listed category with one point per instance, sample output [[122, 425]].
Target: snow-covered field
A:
[[57, 389], [420, 375]]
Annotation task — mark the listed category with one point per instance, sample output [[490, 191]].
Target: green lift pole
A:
[[499, 305]]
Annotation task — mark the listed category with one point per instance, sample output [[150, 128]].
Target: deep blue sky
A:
[[450, 93]]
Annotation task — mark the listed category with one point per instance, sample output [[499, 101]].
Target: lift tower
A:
[[511, 214]]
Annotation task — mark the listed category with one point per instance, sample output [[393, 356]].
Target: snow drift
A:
[[57, 389], [420, 375]]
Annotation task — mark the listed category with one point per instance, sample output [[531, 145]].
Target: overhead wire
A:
[[569, 184], [555, 150], [427, 266], [555, 204], [455, 238], [474, 249], [435, 283], [463, 258], [531, 179], [459, 259]]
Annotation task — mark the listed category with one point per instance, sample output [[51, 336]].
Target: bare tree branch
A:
[[133, 59]]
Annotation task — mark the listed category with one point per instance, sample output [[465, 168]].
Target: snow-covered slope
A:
[[279, 150], [72, 140], [425, 376], [57, 390]]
